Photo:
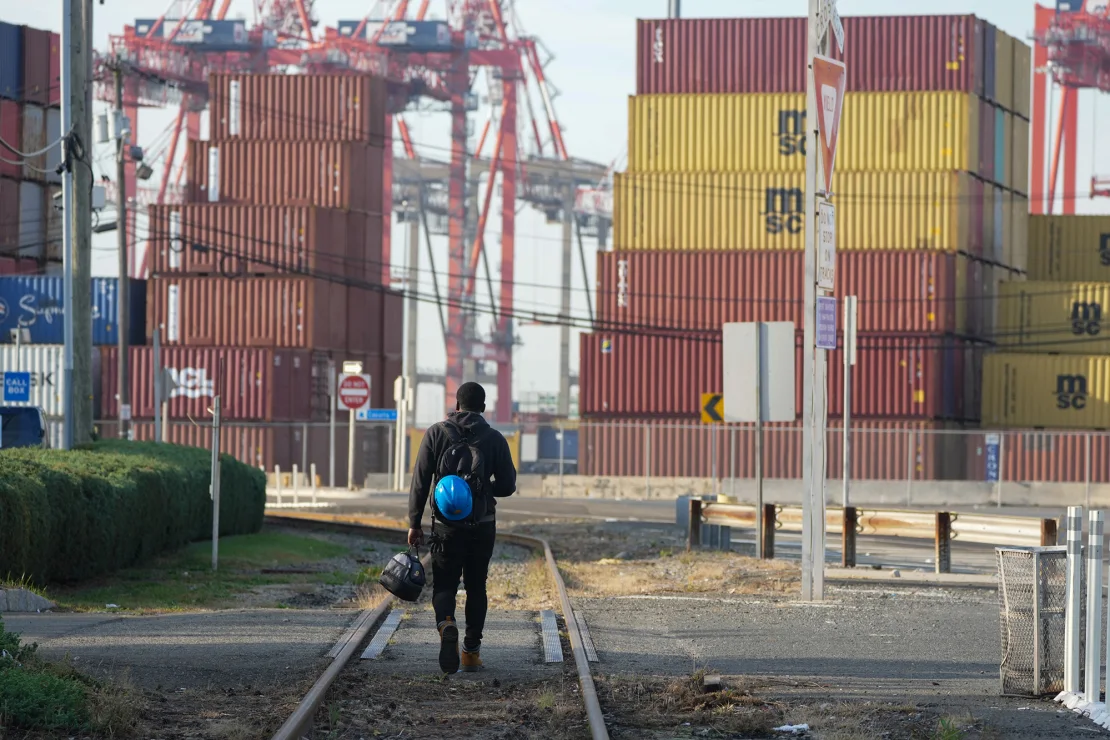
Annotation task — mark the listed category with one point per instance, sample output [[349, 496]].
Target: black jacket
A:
[[495, 453]]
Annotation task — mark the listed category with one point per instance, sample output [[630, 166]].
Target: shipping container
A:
[[273, 312], [53, 138], [986, 141], [988, 217], [1020, 156], [1046, 391], [1023, 79], [36, 303], [740, 133], [366, 239], [1069, 248], [897, 450], [33, 142], [248, 239], [904, 376], [36, 66], [898, 291], [328, 174], [725, 211], [1002, 146], [749, 55], [1019, 249], [1045, 317], [16, 266], [556, 444], [1004, 70], [55, 91], [365, 321], [11, 61], [988, 52], [45, 363], [9, 217], [11, 131], [393, 322], [258, 446], [32, 220], [257, 384], [1037, 455], [272, 107]]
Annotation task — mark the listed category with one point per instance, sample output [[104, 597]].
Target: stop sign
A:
[[354, 392]]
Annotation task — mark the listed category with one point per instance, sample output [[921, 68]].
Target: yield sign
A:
[[829, 80]]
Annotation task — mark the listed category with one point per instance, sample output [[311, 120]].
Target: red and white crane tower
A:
[[482, 35], [1072, 48]]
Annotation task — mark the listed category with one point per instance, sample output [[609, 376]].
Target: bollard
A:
[[1093, 674], [296, 487], [693, 537], [277, 477], [770, 516], [848, 537], [944, 542], [313, 482], [1073, 613]]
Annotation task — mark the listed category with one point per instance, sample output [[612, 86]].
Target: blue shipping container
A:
[[210, 35], [35, 303], [547, 444], [11, 63], [417, 36]]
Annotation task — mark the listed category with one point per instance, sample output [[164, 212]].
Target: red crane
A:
[[1072, 48]]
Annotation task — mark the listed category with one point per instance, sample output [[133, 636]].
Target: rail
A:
[[300, 721], [942, 527]]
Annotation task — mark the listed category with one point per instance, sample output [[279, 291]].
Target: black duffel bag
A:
[[403, 576]]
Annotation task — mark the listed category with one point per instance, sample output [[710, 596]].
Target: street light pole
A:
[[123, 289]]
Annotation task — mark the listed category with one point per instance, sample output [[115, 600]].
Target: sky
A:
[[592, 43]]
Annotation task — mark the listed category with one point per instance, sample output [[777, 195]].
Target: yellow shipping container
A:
[[1004, 69], [1019, 156], [766, 132], [1019, 234], [1054, 317], [765, 210], [1068, 248], [1046, 391], [1023, 78], [1005, 248]]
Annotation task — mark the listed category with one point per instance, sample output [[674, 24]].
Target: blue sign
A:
[[993, 463], [826, 322], [17, 387], [376, 415]]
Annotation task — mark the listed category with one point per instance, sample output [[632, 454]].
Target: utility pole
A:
[[76, 65], [674, 8], [564, 311], [123, 290], [411, 284]]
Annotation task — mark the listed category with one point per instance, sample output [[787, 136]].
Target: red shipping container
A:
[[248, 239], [880, 450], [36, 66], [905, 377], [301, 313], [1033, 456], [364, 235], [54, 98], [364, 321], [898, 291], [328, 107], [393, 322], [323, 173], [753, 55], [11, 131], [16, 266], [256, 384], [9, 216], [258, 446]]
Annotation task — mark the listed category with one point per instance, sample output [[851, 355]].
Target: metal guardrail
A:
[[941, 526]]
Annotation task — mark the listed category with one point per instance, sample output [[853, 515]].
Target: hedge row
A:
[[65, 516]]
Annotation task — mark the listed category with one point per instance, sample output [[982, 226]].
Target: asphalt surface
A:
[[225, 649]]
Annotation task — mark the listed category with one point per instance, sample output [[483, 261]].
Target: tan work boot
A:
[[471, 661], [448, 646]]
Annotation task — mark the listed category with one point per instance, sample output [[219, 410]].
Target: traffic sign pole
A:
[[758, 443]]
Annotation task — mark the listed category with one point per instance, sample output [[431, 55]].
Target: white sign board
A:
[[826, 245], [774, 368]]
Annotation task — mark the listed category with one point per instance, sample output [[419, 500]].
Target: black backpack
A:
[[463, 458]]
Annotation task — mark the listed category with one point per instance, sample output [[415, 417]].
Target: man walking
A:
[[469, 465]]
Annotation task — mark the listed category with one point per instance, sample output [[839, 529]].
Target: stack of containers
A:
[[30, 120], [269, 266], [709, 229], [1051, 370]]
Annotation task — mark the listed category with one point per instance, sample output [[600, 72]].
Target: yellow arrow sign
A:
[[712, 408]]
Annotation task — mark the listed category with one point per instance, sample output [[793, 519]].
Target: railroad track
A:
[[300, 723]]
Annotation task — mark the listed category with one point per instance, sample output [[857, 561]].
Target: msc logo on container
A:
[[783, 210], [1071, 392], [1104, 249], [1086, 318], [792, 132]]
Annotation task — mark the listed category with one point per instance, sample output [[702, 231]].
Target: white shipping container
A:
[[32, 220], [56, 431], [45, 362]]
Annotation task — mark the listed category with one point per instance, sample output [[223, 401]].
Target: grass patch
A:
[[184, 580]]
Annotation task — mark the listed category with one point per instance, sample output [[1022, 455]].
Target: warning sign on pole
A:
[[829, 80]]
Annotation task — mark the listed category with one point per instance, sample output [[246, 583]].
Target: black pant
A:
[[465, 553]]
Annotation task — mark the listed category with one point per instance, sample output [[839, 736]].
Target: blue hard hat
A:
[[453, 498]]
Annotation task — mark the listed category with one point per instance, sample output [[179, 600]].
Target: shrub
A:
[[69, 515]]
